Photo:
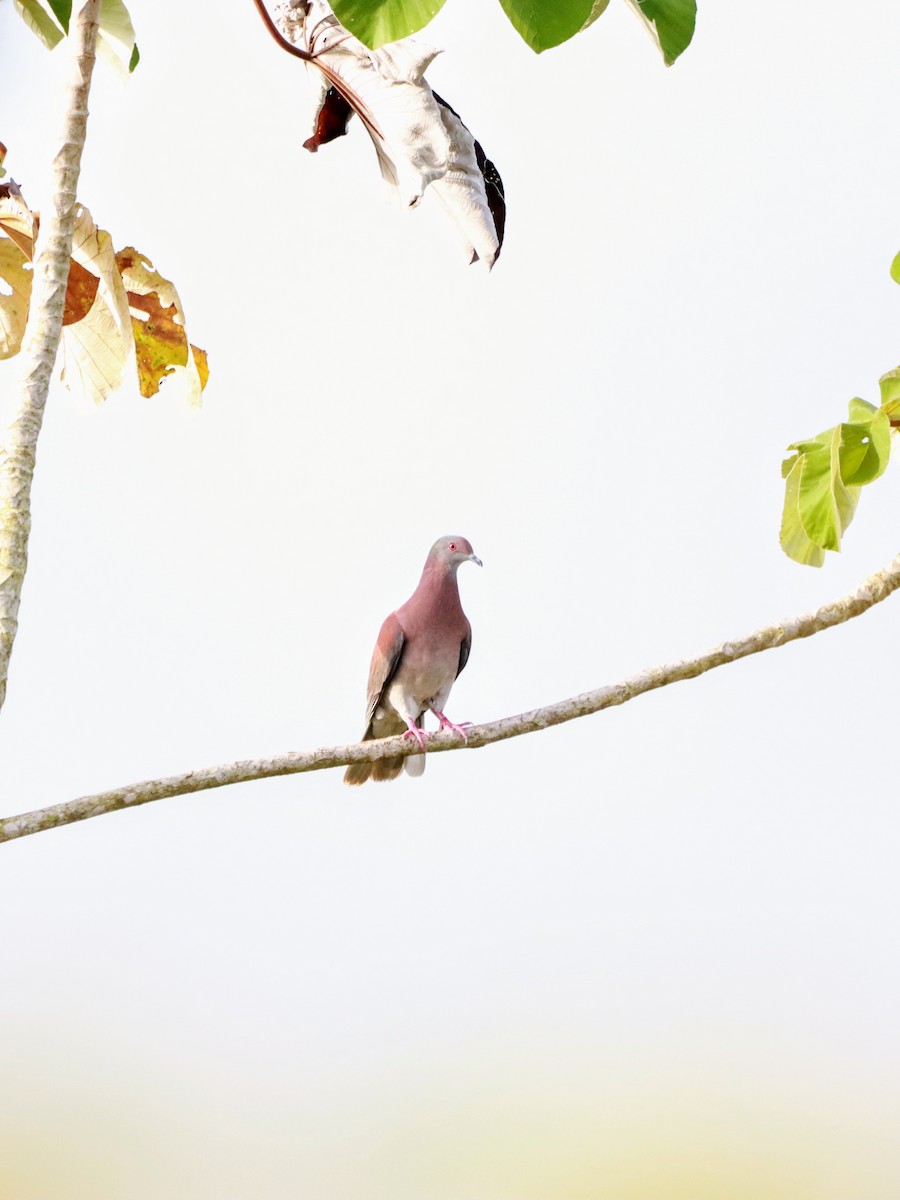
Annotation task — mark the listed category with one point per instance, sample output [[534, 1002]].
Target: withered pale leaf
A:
[[118, 310], [115, 39], [20, 225], [15, 296], [17, 221], [16, 244], [98, 347], [471, 192], [419, 139]]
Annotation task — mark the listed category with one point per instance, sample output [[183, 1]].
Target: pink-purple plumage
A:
[[421, 649]]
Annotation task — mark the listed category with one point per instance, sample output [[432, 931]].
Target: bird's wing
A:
[[464, 649], [385, 661]]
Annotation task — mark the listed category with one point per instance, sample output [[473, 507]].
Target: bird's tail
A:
[[384, 768], [415, 765]]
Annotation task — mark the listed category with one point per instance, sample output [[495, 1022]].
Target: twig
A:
[[871, 592]]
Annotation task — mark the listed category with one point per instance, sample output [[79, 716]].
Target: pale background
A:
[[652, 955]]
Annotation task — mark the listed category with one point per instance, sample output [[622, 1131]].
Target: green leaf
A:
[[671, 23], [62, 10], [890, 392], [813, 444], [865, 446], [794, 539], [546, 23], [39, 22], [135, 58], [824, 478], [541, 23], [861, 410], [825, 506], [376, 22], [895, 268]]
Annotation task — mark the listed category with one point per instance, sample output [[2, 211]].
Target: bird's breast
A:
[[428, 668]]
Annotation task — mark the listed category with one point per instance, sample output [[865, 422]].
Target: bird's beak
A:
[[475, 559]]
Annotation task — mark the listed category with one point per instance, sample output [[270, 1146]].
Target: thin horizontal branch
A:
[[871, 592]]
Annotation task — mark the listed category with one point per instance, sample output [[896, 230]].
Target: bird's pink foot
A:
[[417, 733], [448, 725]]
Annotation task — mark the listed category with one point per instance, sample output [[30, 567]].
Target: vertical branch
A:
[[43, 331]]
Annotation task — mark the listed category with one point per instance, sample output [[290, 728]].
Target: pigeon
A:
[[421, 649]]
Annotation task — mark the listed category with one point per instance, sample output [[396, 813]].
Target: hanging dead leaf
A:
[[160, 344], [21, 226], [16, 241], [15, 295], [98, 347], [157, 319], [17, 221], [202, 365], [118, 310], [420, 141]]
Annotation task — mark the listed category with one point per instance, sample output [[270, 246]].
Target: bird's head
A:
[[451, 551]]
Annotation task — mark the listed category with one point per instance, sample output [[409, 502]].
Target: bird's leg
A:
[[446, 723], [415, 732]]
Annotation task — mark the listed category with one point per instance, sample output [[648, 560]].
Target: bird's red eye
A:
[[452, 546]]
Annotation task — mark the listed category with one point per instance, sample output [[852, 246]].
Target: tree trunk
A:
[[43, 331]]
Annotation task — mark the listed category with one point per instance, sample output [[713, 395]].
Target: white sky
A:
[[651, 955]]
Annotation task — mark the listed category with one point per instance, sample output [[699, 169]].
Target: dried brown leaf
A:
[[161, 345], [81, 292]]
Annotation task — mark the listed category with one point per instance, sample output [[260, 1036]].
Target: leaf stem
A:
[[277, 35], [333, 78]]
